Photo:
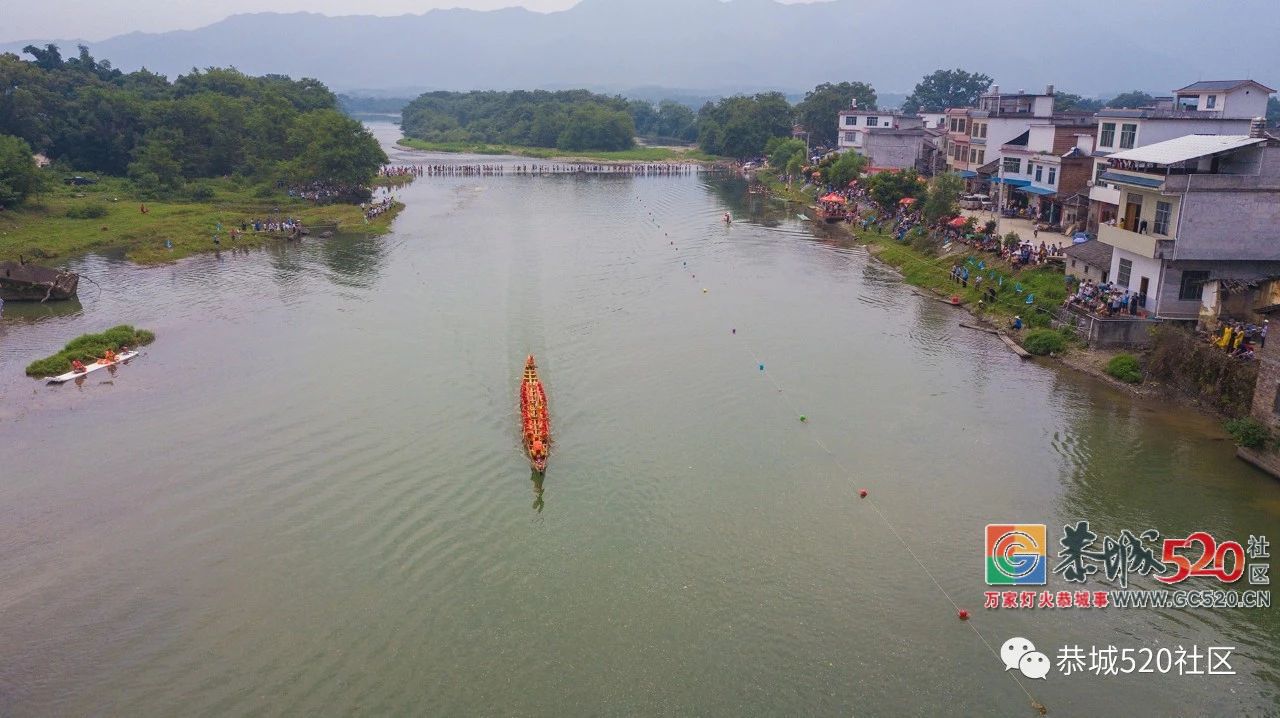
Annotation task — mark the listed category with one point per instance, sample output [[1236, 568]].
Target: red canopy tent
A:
[[957, 222], [833, 197], [907, 200]]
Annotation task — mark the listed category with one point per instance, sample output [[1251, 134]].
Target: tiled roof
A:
[[1221, 86], [1093, 252]]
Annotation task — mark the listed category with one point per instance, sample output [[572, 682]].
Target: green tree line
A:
[[567, 120], [217, 122]]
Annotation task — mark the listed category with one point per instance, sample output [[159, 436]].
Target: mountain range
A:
[[1090, 48]]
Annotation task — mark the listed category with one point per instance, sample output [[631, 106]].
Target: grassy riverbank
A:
[[66, 221], [638, 154], [88, 348], [797, 192]]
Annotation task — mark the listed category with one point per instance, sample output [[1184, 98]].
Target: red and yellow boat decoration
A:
[[533, 414]]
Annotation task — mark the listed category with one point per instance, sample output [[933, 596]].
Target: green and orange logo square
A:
[[1017, 555]]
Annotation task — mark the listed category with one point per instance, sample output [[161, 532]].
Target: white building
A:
[[1215, 107], [1200, 212], [855, 123]]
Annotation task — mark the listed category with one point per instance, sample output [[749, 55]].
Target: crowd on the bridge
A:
[[644, 169], [401, 171]]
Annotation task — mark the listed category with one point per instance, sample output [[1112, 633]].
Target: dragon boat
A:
[[533, 414]]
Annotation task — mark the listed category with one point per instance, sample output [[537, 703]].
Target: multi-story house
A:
[[975, 135], [1214, 107], [854, 124], [1201, 216], [1046, 167]]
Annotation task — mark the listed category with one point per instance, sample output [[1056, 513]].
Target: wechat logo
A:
[[1021, 654]]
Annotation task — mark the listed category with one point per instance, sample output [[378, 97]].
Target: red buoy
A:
[[862, 493], [964, 615]]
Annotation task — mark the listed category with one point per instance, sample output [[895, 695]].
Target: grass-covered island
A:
[[92, 158], [88, 348]]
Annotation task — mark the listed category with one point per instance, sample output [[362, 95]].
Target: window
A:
[[1211, 102], [1013, 164], [1128, 133], [1163, 210], [850, 121], [973, 155], [983, 127], [1191, 284], [849, 137], [1122, 274], [1108, 138], [953, 124], [1053, 176], [982, 157], [1275, 406], [1039, 172], [962, 124], [873, 122]]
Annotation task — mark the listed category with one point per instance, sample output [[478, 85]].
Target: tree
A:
[[49, 58], [846, 168], [331, 148], [1273, 111], [819, 111], [1067, 102], [741, 126], [781, 150], [888, 189], [154, 169], [1131, 99], [677, 121], [940, 200], [19, 176], [944, 89]]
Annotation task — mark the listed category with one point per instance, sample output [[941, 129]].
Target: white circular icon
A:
[[1013, 650], [1034, 665]]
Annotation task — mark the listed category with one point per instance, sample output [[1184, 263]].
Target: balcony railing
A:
[[1120, 238]]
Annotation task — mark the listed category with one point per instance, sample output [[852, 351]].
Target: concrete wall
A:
[[1236, 225], [892, 149], [1082, 270], [1246, 102], [1110, 333], [1142, 267]]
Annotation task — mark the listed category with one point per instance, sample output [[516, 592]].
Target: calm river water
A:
[[308, 497]]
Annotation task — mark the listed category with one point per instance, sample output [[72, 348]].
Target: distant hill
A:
[[717, 47]]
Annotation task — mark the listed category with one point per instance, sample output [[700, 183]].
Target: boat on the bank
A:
[[535, 421], [121, 358], [21, 282]]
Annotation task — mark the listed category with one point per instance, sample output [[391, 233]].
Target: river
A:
[[308, 496]]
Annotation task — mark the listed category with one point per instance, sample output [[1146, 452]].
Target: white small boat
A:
[[88, 368]]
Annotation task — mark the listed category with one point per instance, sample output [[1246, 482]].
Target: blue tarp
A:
[[1037, 190], [1011, 182], [967, 174]]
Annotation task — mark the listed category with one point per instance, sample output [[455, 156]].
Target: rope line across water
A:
[[845, 471]]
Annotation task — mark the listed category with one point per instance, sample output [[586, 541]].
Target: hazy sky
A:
[[99, 19]]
